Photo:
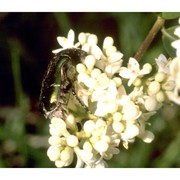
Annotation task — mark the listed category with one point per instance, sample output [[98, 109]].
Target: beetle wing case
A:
[[58, 81]]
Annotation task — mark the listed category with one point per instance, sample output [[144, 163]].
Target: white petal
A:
[[133, 64], [121, 90], [62, 41], [131, 80], [115, 57], [144, 71], [111, 69], [96, 51], [108, 41], [162, 63], [71, 37], [57, 50], [131, 131], [125, 73]]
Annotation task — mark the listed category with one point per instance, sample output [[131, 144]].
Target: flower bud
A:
[[101, 146], [66, 154], [58, 127], [81, 68], [72, 141], [86, 47], [90, 62], [100, 123], [131, 131], [118, 81], [92, 39], [117, 116], [154, 87], [160, 76], [160, 97], [118, 127], [82, 38], [110, 50], [54, 140], [82, 77], [137, 82], [108, 41], [95, 73], [108, 156], [71, 122], [131, 112], [60, 163], [111, 107], [148, 137], [53, 153], [87, 146], [150, 104], [89, 126], [147, 66]]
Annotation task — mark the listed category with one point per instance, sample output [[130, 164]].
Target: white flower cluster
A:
[[176, 44], [174, 70], [120, 102]]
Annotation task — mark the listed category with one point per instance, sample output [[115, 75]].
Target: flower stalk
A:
[[149, 38]]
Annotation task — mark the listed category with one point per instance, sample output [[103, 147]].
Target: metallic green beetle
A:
[[58, 81]]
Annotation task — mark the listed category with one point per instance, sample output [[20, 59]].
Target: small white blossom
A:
[[163, 64], [66, 42], [133, 71]]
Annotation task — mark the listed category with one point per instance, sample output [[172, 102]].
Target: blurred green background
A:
[[26, 42]]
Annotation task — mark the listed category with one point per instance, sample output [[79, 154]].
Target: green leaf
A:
[[168, 37], [170, 15]]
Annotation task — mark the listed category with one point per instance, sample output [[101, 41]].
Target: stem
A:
[[149, 38], [16, 71]]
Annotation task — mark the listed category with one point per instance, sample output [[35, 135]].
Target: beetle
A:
[[58, 81]]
